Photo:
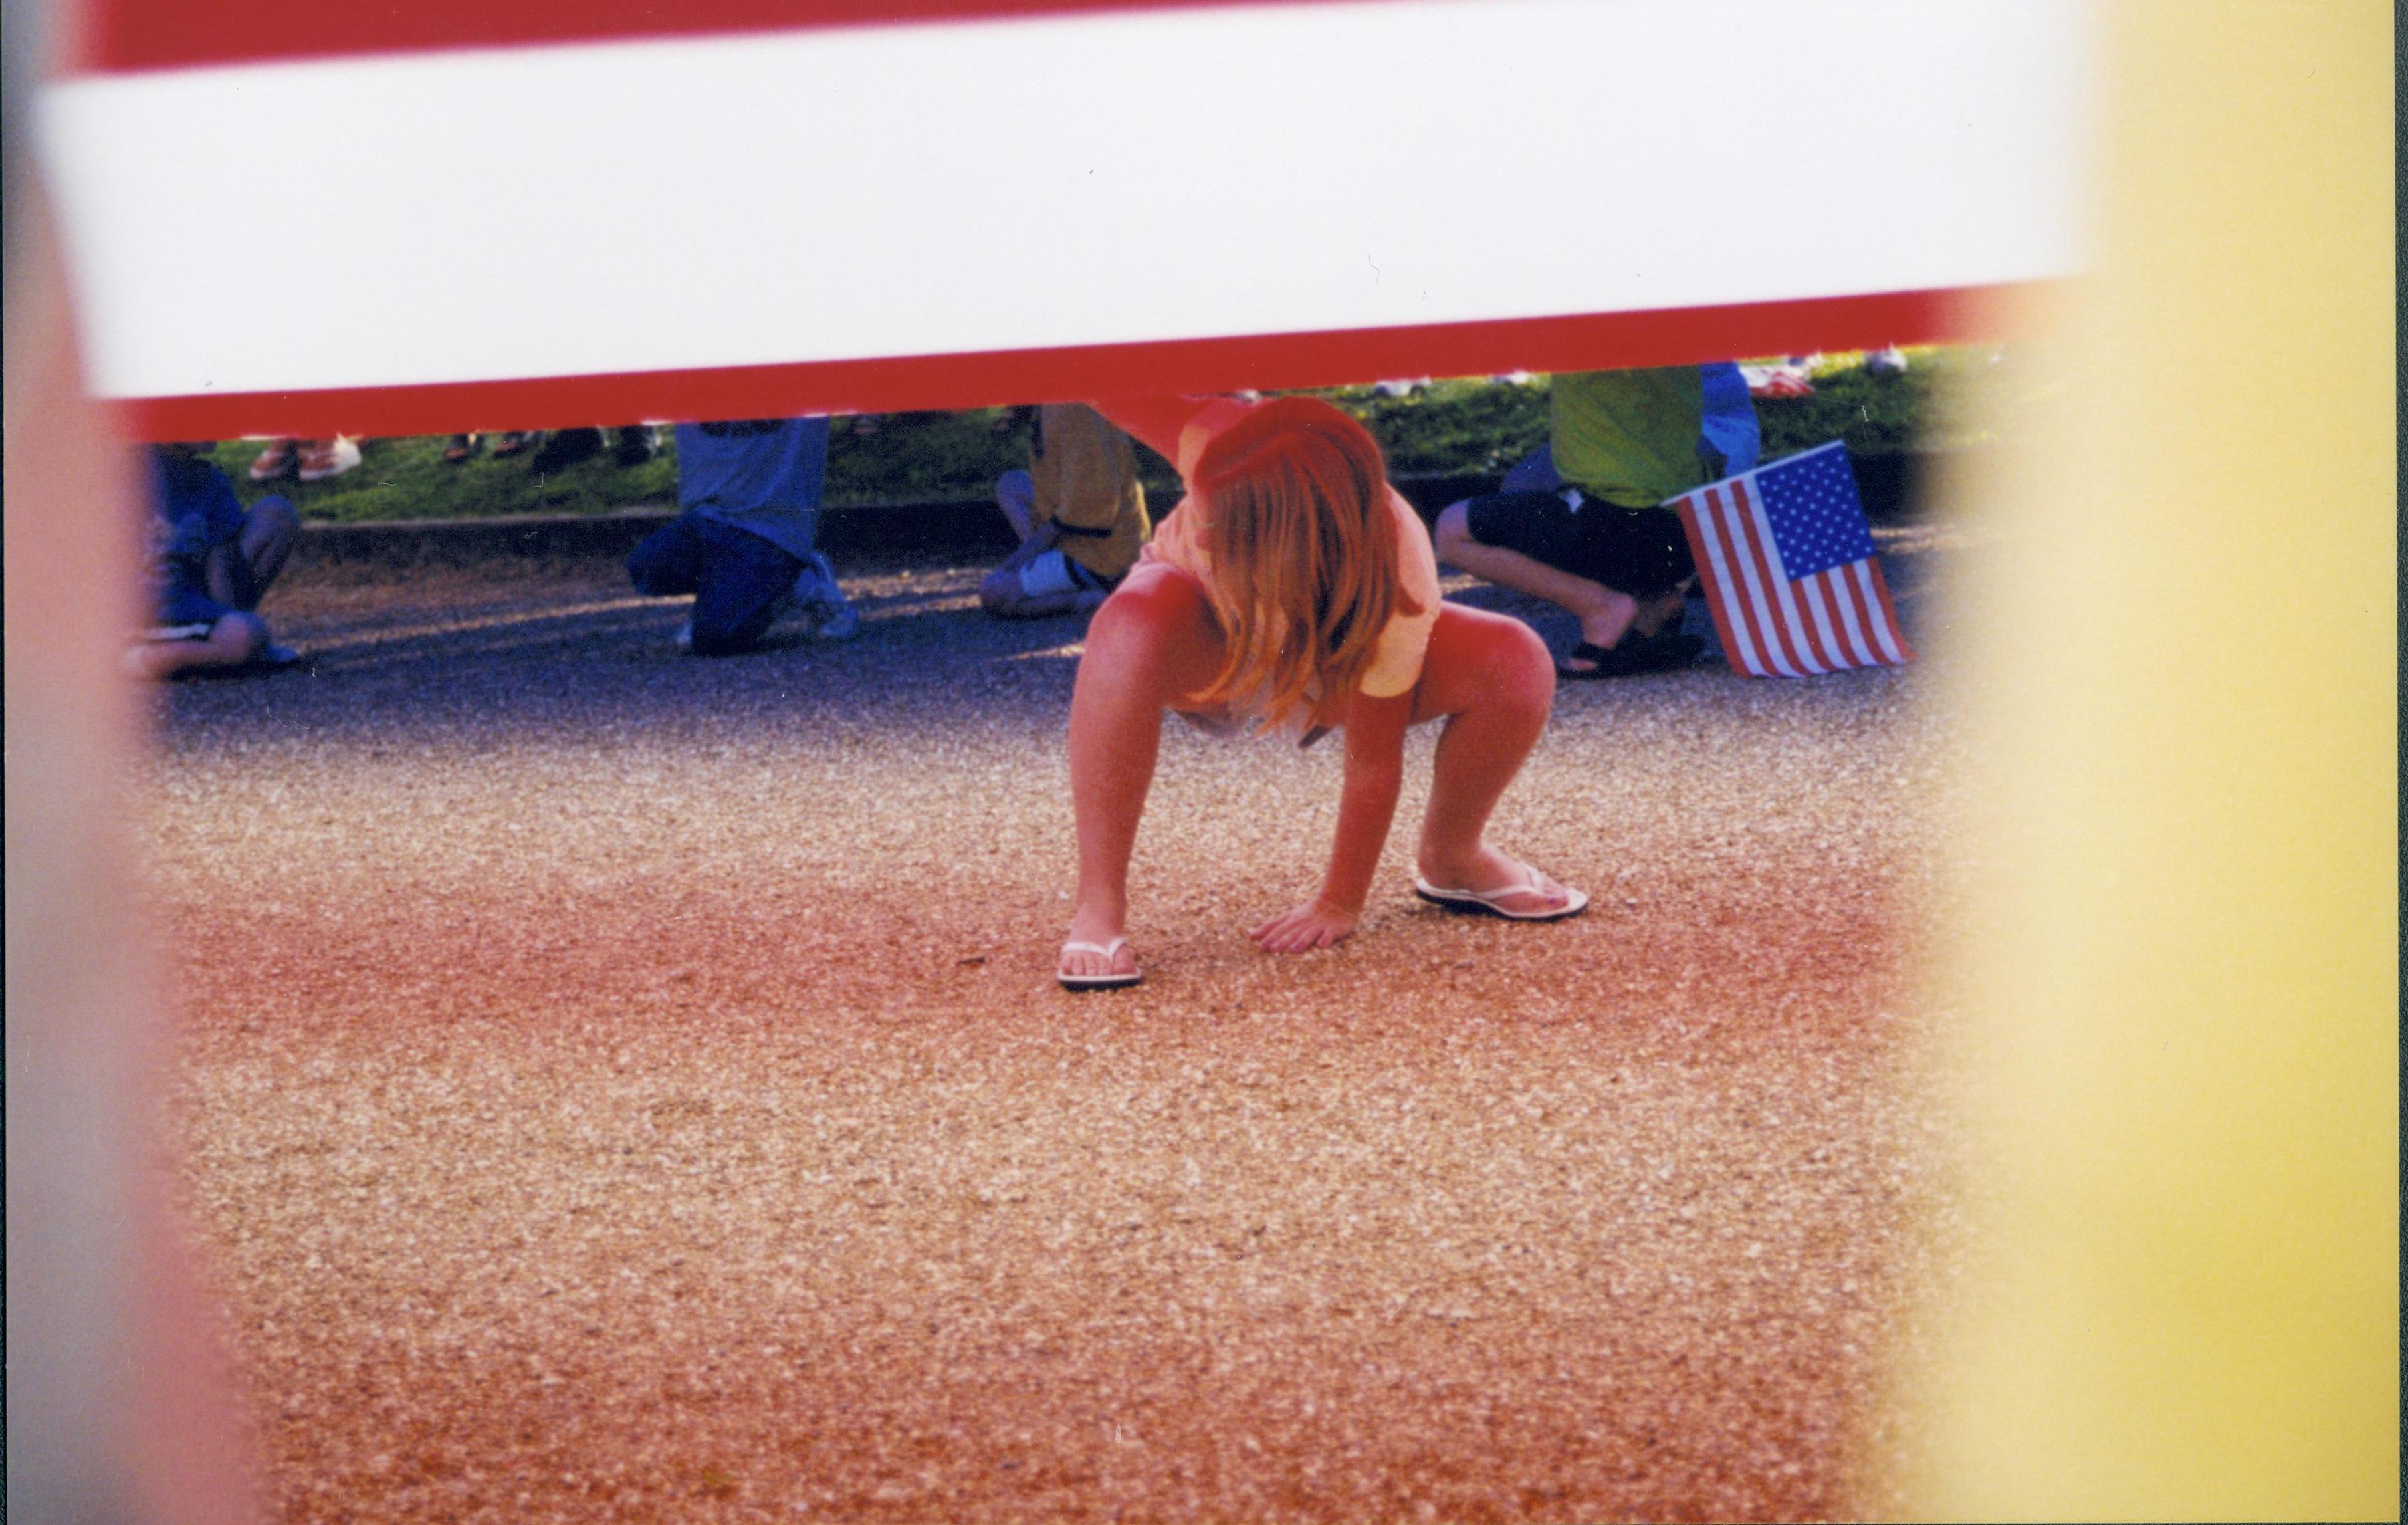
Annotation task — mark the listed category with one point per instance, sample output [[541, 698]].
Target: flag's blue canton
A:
[[1818, 521]]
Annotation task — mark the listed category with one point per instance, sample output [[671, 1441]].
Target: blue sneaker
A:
[[832, 615]]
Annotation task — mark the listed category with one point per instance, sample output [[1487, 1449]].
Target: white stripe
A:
[[1858, 647], [1810, 593], [1097, 178], [1753, 574], [1882, 631], [1784, 589], [1725, 585], [1865, 615]]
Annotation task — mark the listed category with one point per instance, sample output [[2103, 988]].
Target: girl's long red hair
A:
[[1303, 552]]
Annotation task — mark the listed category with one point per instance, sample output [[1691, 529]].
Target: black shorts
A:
[[1639, 551]]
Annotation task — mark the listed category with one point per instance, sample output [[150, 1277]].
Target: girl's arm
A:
[[1375, 772]]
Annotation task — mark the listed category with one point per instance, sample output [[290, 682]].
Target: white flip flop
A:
[[1486, 901], [1098, 982]]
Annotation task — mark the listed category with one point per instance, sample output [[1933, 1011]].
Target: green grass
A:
[[1882, 415], [1451, 426], [406, 478], [1446, 427]]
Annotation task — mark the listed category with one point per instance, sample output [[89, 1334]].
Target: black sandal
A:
[[1635, 655]]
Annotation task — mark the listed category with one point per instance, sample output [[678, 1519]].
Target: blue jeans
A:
[[737, 579]]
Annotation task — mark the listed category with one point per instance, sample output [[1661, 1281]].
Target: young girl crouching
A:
[[1294, 589]]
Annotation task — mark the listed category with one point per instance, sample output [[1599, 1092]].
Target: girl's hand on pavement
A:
[[1311, 925]]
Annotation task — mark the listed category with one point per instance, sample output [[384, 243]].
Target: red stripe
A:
[[1880, 620], [1828, 649], [1729, 515], [127, 36], [1602, 341], [1734, 586], [1890, 612], [1842, 651], [1870, 618], [1770, 577], [1691, 506], [1847, 621], [1810, 632]]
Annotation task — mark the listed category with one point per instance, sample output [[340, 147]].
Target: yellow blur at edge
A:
[[2182, 940]]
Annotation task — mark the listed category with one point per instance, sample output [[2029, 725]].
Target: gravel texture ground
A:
[[616, 1085]]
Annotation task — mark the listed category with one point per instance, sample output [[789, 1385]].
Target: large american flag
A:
[[1789, 569]]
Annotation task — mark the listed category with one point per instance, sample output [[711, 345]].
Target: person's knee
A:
[[651, 568], [1015, 489], [272, 520], [1517, 670], [1528, 667], [240, 638]]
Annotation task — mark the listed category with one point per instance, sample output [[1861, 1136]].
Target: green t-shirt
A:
[[1628, 438]]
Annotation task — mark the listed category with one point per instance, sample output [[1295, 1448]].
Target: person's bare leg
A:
[[1605, 614], [1153, 641], [1490, 678]]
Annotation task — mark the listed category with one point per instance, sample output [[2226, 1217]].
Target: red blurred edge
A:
[[119, 37], [1599, 341]]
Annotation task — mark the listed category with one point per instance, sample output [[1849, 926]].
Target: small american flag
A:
[[1789, 570]]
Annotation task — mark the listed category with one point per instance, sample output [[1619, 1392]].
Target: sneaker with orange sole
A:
[[323, 459], [278, 460]]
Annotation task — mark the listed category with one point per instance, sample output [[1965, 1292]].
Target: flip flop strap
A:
[[1530, 886], [1106, 951]]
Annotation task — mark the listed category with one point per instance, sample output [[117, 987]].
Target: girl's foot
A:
[[1497, 885], [1097, 957]]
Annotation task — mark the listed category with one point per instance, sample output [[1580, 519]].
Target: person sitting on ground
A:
[[1080, 513], [1294, 589], [745, 548], [211, 562], [1578, 524]]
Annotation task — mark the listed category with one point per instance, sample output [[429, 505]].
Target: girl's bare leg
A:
[[1154, 641], [1490, 678]]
